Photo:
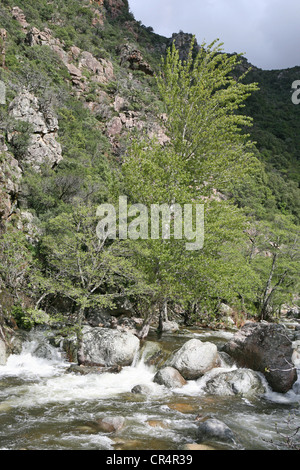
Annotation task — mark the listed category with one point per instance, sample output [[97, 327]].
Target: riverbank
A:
[[44, 406]]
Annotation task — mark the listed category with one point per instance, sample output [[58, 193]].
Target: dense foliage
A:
[[233, 146]]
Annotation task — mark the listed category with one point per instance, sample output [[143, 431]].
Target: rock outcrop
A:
[[3, 353], [76, 60], [43, 146], [116, 7], [102, 70], [129, 54], [183, 43], [10, 175], [20, 17], [3, 37], [35, 37], [266, 348]]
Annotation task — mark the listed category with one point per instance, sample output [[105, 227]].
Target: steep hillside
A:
[[276, 131]]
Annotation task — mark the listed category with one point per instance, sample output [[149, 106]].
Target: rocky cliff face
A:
[[43, 146], [88, 76], [10, 176], [183, 43], [115, 7]]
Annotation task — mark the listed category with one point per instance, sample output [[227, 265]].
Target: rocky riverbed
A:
[[179, 391]]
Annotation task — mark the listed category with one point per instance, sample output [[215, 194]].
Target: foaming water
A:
[[43, 405], [55, 385], [27, 365]]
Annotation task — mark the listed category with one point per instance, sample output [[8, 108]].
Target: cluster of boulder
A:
[[258, 356], [262, 352], [196, 359]]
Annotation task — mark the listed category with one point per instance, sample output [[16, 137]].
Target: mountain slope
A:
[[79, 79]]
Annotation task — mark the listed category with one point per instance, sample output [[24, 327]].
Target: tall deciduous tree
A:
[[81, 267], [275, 256], [207, 153]]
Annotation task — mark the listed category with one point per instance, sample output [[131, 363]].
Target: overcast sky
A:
[[266, 31]]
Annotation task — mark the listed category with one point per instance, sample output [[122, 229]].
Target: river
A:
[[44, 407]]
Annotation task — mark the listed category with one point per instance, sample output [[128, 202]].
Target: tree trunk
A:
[[267, 295], [189, 312], [163, 315], [144, 331]]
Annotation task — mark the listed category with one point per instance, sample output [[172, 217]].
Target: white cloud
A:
[[267, 31]]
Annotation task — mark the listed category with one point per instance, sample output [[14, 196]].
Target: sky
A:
[[267, 32]]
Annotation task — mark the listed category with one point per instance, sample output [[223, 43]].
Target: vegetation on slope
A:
[[250, 257]]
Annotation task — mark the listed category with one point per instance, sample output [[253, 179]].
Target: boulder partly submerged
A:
[[239, 382], [194, 359], [214, 429], [169, 377], [265, 347], [107, 347]]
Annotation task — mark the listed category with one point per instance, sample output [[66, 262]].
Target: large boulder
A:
[[195, 358], [151, 354], [265, 347], [109, 347], [242, 382]]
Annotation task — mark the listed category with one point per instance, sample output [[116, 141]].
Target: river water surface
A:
[[44, 407]]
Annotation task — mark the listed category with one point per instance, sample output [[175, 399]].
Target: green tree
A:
[[16, 261], [275, 256], [208, 152], [203, 99], [80, 267]]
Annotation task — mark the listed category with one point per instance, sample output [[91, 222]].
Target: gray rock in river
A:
[[152, 354], [265, 347], [110, 424], [169, 377], [242, 382], [194, 359], [170, 327], [213, 429], [141, 389], [108, 347]]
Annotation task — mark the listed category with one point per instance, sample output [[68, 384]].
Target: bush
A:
[[27, 319]]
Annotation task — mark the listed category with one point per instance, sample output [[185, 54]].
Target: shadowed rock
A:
[[265, 347]]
